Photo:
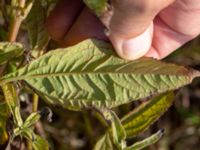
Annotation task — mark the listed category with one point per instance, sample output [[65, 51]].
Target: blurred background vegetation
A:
[[80, 130]]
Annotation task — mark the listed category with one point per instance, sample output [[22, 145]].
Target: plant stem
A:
[[16, 23], [8, 89], [12, 36], [34, 109], [14, 29], [35, 102], [29, 145]]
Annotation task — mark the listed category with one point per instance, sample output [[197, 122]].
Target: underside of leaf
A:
[[91, 74]]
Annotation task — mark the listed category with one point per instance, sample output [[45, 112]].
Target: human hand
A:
[[136, 28]]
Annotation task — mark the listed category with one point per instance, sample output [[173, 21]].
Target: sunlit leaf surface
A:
[[90, 74]]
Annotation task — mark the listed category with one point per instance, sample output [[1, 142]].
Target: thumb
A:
[[130, 25]]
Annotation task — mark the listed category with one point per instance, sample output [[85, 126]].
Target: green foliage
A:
[[22, 128], [32, 119], [40, 144], [143, 116], [3, 120], [134, 123], [87, 75], [90, 74], [147, 142], [104, 143], [98, 6], [25, 130], [9, 51], [12, 102], [117, 130], [35, 23], [37, 142]]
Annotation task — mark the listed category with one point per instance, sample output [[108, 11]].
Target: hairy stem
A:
[[16, 22], [18, 16], [14, 29]]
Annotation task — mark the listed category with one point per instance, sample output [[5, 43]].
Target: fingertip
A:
[[62, 17], [53, 30], [153, 53], [136, 47]]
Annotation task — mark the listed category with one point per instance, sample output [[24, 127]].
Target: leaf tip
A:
[[195, 74], [161, 133]]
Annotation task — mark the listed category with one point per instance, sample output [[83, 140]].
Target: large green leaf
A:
[[9, 51], [90, 74], [146, 114]]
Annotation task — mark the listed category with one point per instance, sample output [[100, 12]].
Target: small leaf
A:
[[91, 74], [141, 118], [40, 144], [146, 114], [32, 119], [117, 130], [35, 23], [147, 142], [12, 102], [104, 143], [3, 120], [37, 142], [28, 133], [9, 51], [11, 67], [17, 116], [10, 95], [98, 6]]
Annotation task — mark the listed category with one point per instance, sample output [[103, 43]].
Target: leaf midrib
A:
[[11, 79]]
